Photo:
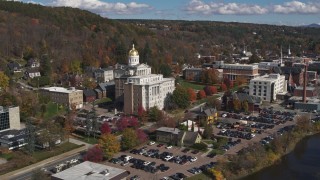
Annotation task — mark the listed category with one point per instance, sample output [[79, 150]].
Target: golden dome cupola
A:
[[133, 57], [133, 51]]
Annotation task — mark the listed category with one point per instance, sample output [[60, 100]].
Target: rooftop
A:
[[169, 130], [62, 89], [239, 66], [91, 171], [267, 77]]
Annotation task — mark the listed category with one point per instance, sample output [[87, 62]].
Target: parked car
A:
[[151, 143], [169, 147]]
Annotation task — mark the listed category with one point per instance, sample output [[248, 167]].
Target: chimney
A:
[[304, 98]]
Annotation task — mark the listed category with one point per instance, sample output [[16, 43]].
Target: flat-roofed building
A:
[[268, 86], [9, 118], [147, 91], [64, 96], [91, 171], [233, 71]]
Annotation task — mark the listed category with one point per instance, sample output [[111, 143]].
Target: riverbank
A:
[[257, 157], [302, 163]]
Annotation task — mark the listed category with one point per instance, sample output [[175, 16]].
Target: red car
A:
[[160, 145]]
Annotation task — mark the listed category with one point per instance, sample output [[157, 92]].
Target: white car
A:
[[151, 143], [223, 130], [167, 158], [169, 147], [224, 115], [146, 163], [193, 159]]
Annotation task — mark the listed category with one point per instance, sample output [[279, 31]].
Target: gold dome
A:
[[133, 52]]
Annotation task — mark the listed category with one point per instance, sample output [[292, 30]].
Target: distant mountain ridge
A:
[[313, 25]]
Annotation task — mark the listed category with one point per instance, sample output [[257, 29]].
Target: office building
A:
[[9, 118], [63, 96], [268, 86]]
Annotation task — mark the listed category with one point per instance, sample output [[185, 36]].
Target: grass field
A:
[[191, 85], [44, 154], [53, 109]]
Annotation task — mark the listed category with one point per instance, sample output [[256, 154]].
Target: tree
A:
[[50, 133], [142, 115], [240, 80], [69, 120], [228, 82], [214, 102], [109, 145], [4, 81], [30, 136], [208, 130], [236, 105], [210, 90], [155, 114], [245, 106], [89, 83], [129, 139], [254, 59], [75, 67], [105, 128], [216, 174], [192, 126], [224, 87], [180, 97], [165, 69], [142, 136], [303, 123], [94, 154], [133, 122], [192, 94], [213, 90], [201, 94], [122, 123]]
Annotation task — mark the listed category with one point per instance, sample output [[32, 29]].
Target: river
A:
[[303, 163]]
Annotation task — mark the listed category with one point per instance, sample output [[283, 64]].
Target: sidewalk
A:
[[40, 164]]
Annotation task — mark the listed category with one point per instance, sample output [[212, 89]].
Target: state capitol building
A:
[[135, 86]]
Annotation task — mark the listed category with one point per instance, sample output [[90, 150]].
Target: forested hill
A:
[[68, 35]]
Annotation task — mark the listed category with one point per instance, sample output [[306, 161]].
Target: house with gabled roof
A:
[[14, 67]]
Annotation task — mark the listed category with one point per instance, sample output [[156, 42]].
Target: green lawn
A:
[[53, 109], [6, 156], [45, 154], [200, 176], [86, 139], [191, 85]]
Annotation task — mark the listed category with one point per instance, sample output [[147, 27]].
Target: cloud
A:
[[103, 8], [200, 7], [297, 7]]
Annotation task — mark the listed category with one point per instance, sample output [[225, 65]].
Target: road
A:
[[49, 166]]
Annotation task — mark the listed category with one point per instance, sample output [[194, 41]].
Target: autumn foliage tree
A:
[[142, 115], [201, 94], [224, 87], [192, 94], [94, 154], [210, 90], [109, 145], [105, 128], [4, 81], [142, 136], [129, 139]]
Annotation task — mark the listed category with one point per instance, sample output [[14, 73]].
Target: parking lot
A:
[[174, 166]]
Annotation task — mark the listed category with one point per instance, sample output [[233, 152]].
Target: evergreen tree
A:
[[30, 136]]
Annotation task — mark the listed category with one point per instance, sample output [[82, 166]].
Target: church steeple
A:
[[133, 57]]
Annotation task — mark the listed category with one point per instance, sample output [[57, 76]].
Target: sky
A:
[[278, 12]]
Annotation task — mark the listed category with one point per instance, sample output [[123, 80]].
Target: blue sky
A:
[[279, 12]]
